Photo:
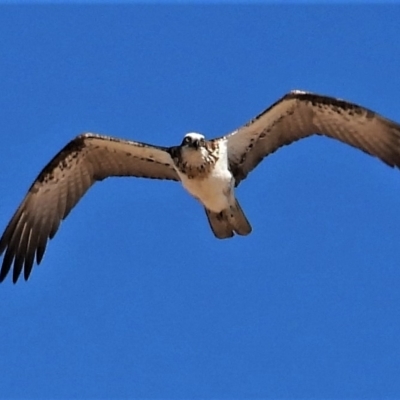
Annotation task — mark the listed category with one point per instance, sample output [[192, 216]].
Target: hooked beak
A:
[[196, 144]]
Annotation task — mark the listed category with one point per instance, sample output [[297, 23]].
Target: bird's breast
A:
[[213, 188]]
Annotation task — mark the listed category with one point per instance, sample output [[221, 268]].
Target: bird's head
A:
[[193, 140]]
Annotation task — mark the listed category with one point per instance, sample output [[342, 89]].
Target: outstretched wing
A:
[[60, 185], [298, 115]]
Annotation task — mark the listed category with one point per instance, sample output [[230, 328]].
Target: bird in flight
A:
[[208, 169]]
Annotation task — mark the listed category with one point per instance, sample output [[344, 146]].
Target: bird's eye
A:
[[187, 140]]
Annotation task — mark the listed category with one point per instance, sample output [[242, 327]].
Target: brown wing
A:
[[61, 184], [298, 115]]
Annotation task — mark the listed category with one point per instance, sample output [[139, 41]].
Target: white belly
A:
[[214, 191]]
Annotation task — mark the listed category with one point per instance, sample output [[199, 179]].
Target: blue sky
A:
[[135, 298]]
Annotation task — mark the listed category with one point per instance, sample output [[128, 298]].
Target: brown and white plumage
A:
[[298, 115], [209, 170], [62, 183]]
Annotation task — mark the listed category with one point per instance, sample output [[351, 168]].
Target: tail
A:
[[228, 222]]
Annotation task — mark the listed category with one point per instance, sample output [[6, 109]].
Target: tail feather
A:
[[219, 224], [238, 220], [228, 222]]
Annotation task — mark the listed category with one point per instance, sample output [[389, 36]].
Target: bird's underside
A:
[[208, 169]]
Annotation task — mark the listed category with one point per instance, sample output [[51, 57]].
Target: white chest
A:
[[215, 190]]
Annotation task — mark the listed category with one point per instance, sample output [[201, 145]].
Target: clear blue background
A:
[[135, 297]]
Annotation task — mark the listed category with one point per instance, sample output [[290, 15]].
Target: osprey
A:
[[208, 169]]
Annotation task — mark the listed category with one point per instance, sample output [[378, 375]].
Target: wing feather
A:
[[62, 183], [20, 250], [30, 254], [298, 115]]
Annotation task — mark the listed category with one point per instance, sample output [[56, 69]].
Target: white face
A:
[[194, 149], [193, 141]]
